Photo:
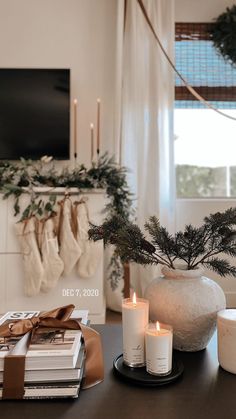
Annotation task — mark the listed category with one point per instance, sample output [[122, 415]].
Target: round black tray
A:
[[140, 377]]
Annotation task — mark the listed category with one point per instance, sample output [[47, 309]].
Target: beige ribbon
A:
[[59, 318]]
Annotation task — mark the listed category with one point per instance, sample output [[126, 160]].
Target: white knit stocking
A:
[[32, 263], [52, 263], [91, 251], [70, 250]]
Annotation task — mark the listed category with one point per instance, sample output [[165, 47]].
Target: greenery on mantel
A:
[[23, 177], [194, 246], [223, 34]]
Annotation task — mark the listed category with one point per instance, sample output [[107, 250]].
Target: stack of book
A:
[[54, 365]]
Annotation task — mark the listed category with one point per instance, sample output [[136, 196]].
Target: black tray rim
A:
[[127, 373]]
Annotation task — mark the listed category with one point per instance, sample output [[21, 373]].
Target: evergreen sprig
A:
[[223, 34], [194, 246]]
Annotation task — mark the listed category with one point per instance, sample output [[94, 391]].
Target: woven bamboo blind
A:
[[203, 68]]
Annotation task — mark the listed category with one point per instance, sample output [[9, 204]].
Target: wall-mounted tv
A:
[[34, 113]]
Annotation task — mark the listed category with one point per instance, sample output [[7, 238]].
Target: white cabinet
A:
[[83, 293]]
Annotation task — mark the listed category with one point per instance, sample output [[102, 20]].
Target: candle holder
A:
[[140, 377]]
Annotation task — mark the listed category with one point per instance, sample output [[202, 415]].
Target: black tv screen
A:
[[34, 113]]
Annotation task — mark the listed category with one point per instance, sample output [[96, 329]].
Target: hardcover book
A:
[[45, 391], [56, 375], [48, 349]]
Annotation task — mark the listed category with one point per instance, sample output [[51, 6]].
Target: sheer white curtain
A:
[[114, 297], [147, 112]]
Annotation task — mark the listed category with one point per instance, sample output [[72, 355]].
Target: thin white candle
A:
[[159, 348], [92, 141], [98, 125], [134, 321], [75, 128]]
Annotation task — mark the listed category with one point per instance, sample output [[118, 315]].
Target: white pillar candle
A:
[[134, 321], [159, 348], [226, 334]]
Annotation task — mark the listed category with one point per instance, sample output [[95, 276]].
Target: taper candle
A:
[[75, 128], [134, 320], [159, 348], [92, 141], [98, 125]]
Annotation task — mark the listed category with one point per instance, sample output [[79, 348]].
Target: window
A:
[[205, 142]]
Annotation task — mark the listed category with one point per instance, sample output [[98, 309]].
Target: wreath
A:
[[223, 34]]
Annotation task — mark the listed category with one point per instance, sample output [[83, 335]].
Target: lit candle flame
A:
[[134, 299], [158, 326]]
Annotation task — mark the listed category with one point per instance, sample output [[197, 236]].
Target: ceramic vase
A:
[[189, 302]]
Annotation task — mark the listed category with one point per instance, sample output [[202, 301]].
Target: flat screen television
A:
[[34, 113]]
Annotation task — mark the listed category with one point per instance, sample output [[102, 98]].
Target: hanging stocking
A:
[[92, 252], [33, 268], [52, 263], [39, 225], [70, 250]]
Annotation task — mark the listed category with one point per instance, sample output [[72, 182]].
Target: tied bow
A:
[[59, 318]]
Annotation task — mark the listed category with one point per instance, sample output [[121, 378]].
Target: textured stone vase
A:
[[187, 301]]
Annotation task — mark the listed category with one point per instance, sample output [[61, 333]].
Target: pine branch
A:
[[131, 245], [195, 245], [220, 266], [161, 238]]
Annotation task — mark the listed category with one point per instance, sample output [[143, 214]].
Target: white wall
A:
[[193, 211], [81, 35], [200, 10], [76, 34]]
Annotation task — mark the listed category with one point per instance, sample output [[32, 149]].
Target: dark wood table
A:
[[205, 391]]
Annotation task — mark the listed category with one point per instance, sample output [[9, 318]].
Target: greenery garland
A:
[[23, 177], [223, 34]]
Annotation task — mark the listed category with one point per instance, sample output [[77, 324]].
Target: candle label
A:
[[134, 354], [159, 365]]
